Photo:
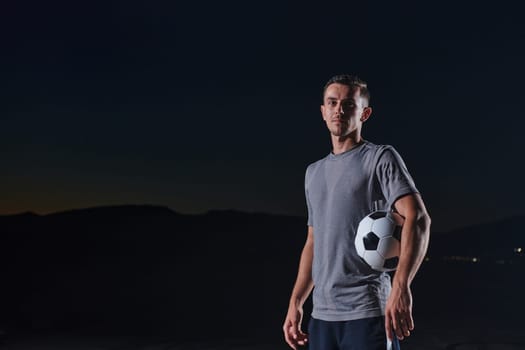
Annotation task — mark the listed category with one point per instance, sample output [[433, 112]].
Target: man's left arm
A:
[[414, 243]]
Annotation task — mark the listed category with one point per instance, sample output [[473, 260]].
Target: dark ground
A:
[[148, 278]]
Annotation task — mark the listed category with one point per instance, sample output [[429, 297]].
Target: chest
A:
[[339, 183]]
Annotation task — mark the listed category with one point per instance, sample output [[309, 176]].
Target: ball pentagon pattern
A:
[[378, 240]]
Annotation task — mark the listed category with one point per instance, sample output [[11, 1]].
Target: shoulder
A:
[[377, 148], [371, 152], [388, 153], [388, 159], [313, 169], [382, 151], [380, 155], [312, 166]]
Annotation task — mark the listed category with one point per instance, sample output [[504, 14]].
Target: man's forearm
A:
[[304, 283], [414, 244]]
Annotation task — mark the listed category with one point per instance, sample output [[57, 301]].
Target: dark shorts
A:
[[363, 334]]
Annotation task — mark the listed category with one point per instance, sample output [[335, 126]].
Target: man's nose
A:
[[340, 109]]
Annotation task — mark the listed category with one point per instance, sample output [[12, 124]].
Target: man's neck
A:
[[342, 144]]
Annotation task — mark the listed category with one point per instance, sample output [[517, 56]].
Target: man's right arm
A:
[[303, 286]]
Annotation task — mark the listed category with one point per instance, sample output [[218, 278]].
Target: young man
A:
[[354, 307]]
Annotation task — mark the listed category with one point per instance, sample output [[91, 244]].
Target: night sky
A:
[[215, 105]]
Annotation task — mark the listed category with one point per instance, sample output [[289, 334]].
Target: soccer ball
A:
[[378, 240]]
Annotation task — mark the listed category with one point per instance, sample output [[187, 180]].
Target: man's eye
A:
[[332, 103]]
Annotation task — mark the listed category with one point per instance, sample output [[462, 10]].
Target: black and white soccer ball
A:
[[378, 240]]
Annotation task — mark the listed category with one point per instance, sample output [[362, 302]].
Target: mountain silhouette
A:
[[495, 240], [148, 269]]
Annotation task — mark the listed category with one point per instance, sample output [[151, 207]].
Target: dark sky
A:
[[215, 105]]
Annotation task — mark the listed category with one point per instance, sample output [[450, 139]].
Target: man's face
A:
[[344, 110]]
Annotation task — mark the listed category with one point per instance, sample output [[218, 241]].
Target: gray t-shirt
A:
[[340, 191]]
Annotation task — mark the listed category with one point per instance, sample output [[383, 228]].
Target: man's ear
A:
[[322, 111], [367, 111]]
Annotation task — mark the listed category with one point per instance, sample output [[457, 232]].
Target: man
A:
[[354, 307]]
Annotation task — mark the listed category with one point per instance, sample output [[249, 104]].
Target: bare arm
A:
[[303, 286], [414, 243]]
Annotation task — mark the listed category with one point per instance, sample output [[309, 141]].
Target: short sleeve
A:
[[393, 176], [310, 219]]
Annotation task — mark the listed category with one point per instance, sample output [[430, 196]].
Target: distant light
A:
[[459, 258], [518, 250]]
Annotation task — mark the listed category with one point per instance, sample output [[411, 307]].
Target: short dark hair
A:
[[352, 81]]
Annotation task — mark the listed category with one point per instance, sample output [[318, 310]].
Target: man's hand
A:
[[398, 313], [292, 328]]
